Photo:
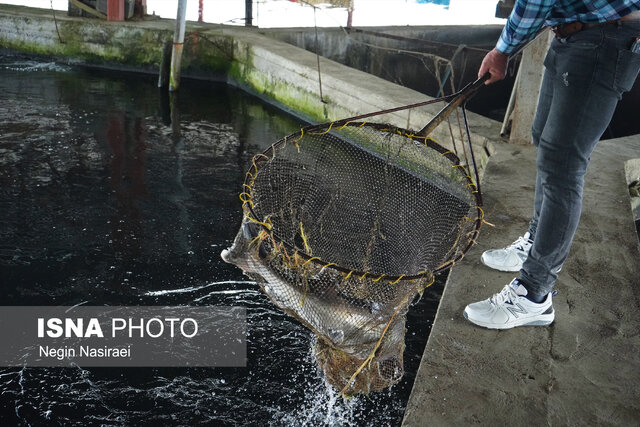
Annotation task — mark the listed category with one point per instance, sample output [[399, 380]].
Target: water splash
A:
[[197, 288]]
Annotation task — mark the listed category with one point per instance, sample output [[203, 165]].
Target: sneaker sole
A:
[[501, 268], [509, 269], [543, 320]]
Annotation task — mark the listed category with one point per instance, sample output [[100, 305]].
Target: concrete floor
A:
[[582, 370]]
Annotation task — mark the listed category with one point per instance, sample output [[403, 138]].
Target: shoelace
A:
[[520, 243], [507, 294]]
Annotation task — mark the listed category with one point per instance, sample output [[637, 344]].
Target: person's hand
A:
[[494, 63]]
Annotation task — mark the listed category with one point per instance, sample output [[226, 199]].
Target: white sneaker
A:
[[510, 258], [509, 309]]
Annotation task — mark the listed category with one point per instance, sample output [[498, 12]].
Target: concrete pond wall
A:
[[419, 58], [412, 56]]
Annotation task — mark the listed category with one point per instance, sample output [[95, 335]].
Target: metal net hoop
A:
[[290, 185]]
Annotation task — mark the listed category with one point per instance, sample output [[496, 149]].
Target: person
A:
[[592, 61]]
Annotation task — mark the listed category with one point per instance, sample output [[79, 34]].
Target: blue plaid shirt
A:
[[529, 16]]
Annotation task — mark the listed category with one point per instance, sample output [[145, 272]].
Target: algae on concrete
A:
[[133, 45]]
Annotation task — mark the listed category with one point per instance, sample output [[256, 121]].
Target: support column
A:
[[527, 89], [248, 13], [115, 10], [178, 42]]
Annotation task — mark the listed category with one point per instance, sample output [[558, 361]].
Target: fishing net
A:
[[344, 225]]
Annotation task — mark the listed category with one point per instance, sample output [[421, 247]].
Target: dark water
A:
[[104, 202]]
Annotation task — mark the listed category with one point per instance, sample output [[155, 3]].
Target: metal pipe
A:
[[178, 42], [248, 13], [512, 101]]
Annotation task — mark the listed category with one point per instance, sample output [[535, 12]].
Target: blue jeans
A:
[[586, 74]]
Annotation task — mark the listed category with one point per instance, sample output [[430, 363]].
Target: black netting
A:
[[343, 227]]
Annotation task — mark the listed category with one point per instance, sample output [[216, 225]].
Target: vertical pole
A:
[[115, 10], [200, 11], [350, 14], [315, 26], [165, 64], [248, 13], [528, 88], [178, 41]]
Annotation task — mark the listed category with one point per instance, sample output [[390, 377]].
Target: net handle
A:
[[459, 98], [462, 96]]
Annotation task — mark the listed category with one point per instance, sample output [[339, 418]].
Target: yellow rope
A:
[[309, 260], [307, 248], [325, 132], [266, 225], [447, 263], [257, 156], [433, 279], [246, 199], [398, 279], [375, 348]]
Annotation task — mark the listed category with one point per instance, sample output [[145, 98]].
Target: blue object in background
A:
[[444, 3]]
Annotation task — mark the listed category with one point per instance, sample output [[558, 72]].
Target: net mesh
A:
[[343, 227]]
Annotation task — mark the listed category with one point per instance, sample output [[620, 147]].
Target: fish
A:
[[359, 344], [352, 328]]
